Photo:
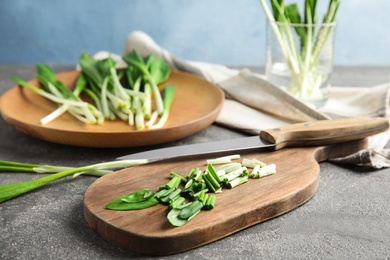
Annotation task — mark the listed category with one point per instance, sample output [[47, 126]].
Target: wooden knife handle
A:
[[324, 132]]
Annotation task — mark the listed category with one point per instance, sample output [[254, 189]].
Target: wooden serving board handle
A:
[[148, 231]]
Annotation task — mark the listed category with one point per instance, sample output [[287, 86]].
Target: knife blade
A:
[[315, 133]]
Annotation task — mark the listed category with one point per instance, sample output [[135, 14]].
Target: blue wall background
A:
[[230, 32]]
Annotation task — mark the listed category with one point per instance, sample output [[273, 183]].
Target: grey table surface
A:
[[348, 217]]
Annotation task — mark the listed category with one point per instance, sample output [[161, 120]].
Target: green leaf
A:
[[133, 58], [90, 69], [104, 66], [141, 199], [277, 9], [81, 84], [45, 74], [159, 68], [293, 15], [190, 210], [174, 220], [132, 75], [141, 195], [175, 215]]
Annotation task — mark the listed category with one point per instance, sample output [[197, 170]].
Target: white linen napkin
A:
[[252, 103]]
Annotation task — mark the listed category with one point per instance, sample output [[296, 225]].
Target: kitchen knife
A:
[[315, 133]]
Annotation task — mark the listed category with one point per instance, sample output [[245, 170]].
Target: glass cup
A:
[[300, 59]]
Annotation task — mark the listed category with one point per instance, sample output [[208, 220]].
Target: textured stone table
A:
[[348, 218]]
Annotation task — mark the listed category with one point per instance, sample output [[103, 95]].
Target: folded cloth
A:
[[253, 103]]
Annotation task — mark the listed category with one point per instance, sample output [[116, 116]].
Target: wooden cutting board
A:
[[148, 231]]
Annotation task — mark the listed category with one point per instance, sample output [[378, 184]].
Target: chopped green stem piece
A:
[[234, 174], [169, 197], [193, 174], [173, 195], [177, 202], [210, 202], [259, 172], [190, 174], [189, 184], [212, 171], [196, 195], [255, 172], [237, 181], [224, 159], [251, 163], [243, 170], [203, 197], [173, 174], [269, 169], [164, 192], [211, 183], [229, 167], [231, 176], [221, 173], [173, 183], [164, 197], [219, 161]]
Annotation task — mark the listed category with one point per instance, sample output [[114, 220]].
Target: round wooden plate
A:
[[197, 104]]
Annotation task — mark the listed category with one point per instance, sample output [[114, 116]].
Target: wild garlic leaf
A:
[[138, 196], [141, 199], [190, 210], [175, 215], [159, 68], [174, 220]]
